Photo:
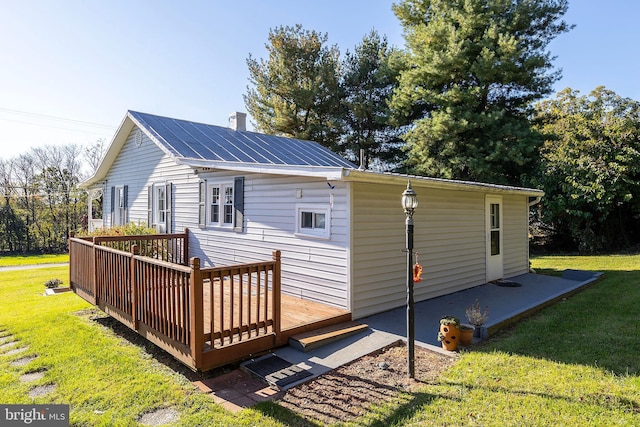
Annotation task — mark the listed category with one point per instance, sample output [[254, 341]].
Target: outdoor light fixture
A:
[[409, 204], [409, 200]]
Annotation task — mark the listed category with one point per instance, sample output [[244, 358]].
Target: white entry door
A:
[[494, 238]]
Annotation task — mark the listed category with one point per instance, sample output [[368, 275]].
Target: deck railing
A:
[[172, 248], [204, 317]]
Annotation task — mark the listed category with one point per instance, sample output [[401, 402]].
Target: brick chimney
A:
[[238, 121]]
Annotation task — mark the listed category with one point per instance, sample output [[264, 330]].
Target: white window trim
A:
[[119, 211], [158, 223], [223, 186], [315, 233]]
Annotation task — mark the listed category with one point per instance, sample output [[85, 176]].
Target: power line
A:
[[60, 119]]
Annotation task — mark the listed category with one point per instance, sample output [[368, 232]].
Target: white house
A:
[[341, 230]]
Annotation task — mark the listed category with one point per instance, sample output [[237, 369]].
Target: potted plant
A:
[[466, 334], [53, 287], [477, 316], [449, 333]]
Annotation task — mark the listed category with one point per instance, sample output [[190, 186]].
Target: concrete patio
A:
[[508, 302]]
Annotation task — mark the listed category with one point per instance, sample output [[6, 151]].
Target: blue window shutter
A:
[[150, 206], [125, 202], [238, 204], [112, 205]]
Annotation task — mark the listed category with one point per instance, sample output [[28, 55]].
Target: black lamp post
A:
[[409, 203]]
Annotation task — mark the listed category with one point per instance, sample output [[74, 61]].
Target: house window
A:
[[119, 212], [494, 213], [221, 205], [160, 207], [313, 221]]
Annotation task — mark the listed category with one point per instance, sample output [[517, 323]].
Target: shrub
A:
[[130, 229], [53, 283]]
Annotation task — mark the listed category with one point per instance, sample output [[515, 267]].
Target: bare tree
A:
[[93, 154]]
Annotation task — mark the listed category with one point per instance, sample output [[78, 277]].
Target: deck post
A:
[[94, 279], [275, 292], [135, 250], [185, 247], [71, 263], [196, 338]]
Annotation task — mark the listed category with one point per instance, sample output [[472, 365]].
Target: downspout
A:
[[535, 200]]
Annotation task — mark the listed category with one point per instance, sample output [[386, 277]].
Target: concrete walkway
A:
[[508, 302], [32, 266]]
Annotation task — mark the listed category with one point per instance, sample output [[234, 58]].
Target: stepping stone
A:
[[7, 344], [23, 361], [159, 417], [32, 376], [41, 390], [16, 351], [6, 338]]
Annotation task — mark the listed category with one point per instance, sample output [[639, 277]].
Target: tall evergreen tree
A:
[[296, 90], [368, 80], [474, 69]]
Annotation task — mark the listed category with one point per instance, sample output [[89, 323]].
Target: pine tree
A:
[[296, 90], [474, 69], [368, 80]]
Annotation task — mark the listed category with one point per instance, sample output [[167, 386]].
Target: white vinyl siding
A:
[[515, 235], [312, 268], [449, 236], [141, 166]]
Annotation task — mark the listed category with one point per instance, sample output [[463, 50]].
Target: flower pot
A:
[[450, 335], [466, 334]]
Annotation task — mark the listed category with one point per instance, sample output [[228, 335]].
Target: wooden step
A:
[[311, 340]]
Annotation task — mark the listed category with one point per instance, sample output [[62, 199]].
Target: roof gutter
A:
[[437, 183], [328, 172]]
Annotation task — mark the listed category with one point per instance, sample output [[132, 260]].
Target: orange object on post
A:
[[417, 273]]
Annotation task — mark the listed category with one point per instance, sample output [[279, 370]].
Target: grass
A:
[[574, 363], [106, 380], [11, 261]]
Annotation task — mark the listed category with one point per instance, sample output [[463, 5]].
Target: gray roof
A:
[[191, 140]]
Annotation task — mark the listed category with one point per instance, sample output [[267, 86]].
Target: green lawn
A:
[[10, 261], [575, 363]]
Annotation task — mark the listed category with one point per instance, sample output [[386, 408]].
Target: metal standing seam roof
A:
[[191, 140]]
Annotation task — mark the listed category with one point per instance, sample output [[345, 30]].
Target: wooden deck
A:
[[204, 317], [295, 312]]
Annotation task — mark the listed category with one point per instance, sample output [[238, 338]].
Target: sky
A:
[[70, 69]]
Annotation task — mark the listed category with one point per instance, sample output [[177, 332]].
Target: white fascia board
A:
[[437, 183], [110, 155], [329, 172]]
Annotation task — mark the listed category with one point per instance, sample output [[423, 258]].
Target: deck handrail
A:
[[172, 247], [234, 317], [165, 302]]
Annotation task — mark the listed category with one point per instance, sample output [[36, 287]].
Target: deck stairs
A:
[[312, 340], [279, 373]]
